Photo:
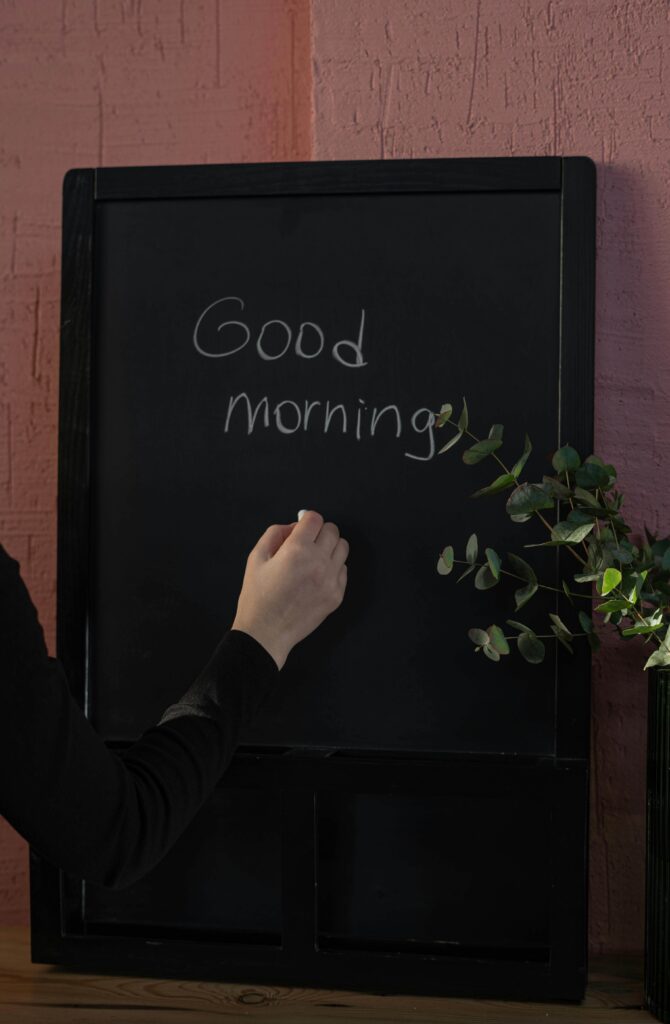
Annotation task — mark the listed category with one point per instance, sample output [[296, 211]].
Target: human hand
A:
[[295, 576]]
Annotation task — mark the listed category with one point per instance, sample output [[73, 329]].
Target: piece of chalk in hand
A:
[[301, 513]]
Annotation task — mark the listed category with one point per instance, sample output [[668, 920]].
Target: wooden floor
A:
[[34, 993]]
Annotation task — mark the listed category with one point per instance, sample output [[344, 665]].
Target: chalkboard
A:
[[242, 341], [259, 354]]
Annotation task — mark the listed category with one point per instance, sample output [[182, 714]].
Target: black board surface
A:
[[245, 350]]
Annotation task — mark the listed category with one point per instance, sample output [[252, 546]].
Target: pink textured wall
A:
[[86, 83], [91, 82], [454, 78]]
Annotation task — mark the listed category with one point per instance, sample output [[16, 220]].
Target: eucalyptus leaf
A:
[[523, 595], [485, 579], [569, 533], [521, 568], [611, 579], [528, 498], [531, 647], [493, 560], [591, 475], [498, 639], [521, 462], [471, 549], [499, 484], [478, 636], [520, 626], [562, 637], [559, 623], [496, 431], [450, 444], [480, 450], [555, 487], [585, 622], [586, 496], [466, 573], [579, 517], [445, 562], [491, 653], [659, 657], [615, 605], [463, 418], [444, 415], [565, 459]]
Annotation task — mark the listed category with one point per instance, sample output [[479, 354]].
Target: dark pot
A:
[[657, 928]]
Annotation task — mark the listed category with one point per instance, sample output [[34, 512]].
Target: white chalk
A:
[[301, 513]]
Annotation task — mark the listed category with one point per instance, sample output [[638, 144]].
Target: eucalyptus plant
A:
[[634, 579]]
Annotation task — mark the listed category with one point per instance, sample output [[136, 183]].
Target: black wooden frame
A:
[[303, 955]]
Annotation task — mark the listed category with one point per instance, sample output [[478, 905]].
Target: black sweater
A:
[[105, 816]]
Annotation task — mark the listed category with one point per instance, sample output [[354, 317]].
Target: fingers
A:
[[307, 529], [328, 537], [341, 551], [273, 538]]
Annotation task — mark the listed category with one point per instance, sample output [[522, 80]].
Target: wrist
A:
[[273, 645]]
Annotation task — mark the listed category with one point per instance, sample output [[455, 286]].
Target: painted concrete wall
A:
[[450, 78], [91, 82], [86, 83]]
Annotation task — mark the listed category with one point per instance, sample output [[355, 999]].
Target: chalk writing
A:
[[288, 416]]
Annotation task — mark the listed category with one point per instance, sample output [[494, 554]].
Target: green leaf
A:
[[558, 622], [569, 533], [586, 577], [450, 444], [521, 568], [585, 622], [445, 562], [531, 648], [659, 657], [594, 642], [578, 516], [498, 639], [615, 605], [466, 573], [555, 487], [586, 496], [499, 484], [491, 653], [562, 637], [566, 591], [523, 595], [611, 579], [444, 415], [527, 498], [639, 630], [493, 560], [463, 418], [478, 636], [471, 549], [496, 431], [518, 466], [591, 475], [565, 459], [485, 579], [665, 562], [520, 626], [480, 450]]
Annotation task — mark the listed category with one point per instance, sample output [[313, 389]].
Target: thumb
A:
[[273, 538]]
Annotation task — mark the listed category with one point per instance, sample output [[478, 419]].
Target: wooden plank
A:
[[36, 993]]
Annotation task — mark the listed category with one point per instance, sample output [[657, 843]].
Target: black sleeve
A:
[[104, 816]]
